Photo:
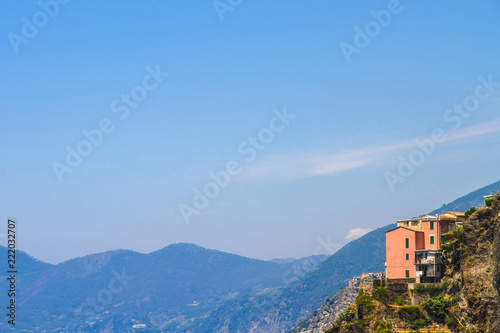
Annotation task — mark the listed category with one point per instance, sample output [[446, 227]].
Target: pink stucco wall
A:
[[396, 252]]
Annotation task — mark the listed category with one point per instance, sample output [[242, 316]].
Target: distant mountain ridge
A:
[[473, 199], [279, 309], [283, 260], [174, 285], [25, 263], [186, 288]]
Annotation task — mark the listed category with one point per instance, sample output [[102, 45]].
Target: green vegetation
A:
[[446, 247], [470, 211], [413, 317], [382, 295], [399, 301], [433, 290], [450, 240], [365, 301], [437, 307], [488, 202], [379, 327]]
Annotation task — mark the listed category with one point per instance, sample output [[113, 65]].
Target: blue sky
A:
[[321, 177]]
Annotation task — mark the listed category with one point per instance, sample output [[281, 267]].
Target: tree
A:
[[382, 295], [470, 211]]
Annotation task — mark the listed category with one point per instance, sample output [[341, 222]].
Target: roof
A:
[[427, 250], [451, 215], [414, 229], [456, 213], [421, 218], [405, 220]]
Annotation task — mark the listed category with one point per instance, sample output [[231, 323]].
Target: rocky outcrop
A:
[[472, 259], [328, 312]]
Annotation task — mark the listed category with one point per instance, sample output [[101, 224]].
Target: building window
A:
[[407, 256], [407, 243], [432, 239], [438, 268], [407, 273], [432, 225]]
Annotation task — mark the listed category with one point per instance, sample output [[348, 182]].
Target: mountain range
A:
[[187, 288], [172, 287]]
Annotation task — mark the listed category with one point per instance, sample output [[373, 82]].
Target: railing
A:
[[430, 273], [424, 261]]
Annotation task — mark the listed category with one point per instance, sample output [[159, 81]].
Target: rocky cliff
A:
[[472, 259], [328, 312]]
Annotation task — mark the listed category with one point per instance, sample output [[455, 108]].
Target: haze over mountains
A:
[[187, 288]]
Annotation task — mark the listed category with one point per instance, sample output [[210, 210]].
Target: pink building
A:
[[412, 247]]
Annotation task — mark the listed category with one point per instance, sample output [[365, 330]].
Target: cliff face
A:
[[328, 312], [472, 259]]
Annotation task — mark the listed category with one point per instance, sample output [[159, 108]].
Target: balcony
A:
[[430, 273], [427, 273], [424, 261]]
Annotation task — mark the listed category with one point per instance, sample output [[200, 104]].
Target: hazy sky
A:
[[303, 109]]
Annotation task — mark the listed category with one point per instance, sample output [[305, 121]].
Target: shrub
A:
[[437, 306], [470, 211], [365, 301], [399, 301], [488, 202], [382, 295], [413, 316], [445, 247], [379, 327], [360, 325]]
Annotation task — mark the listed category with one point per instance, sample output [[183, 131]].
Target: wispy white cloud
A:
[[475, 131], [309, 164], [356, 233]]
